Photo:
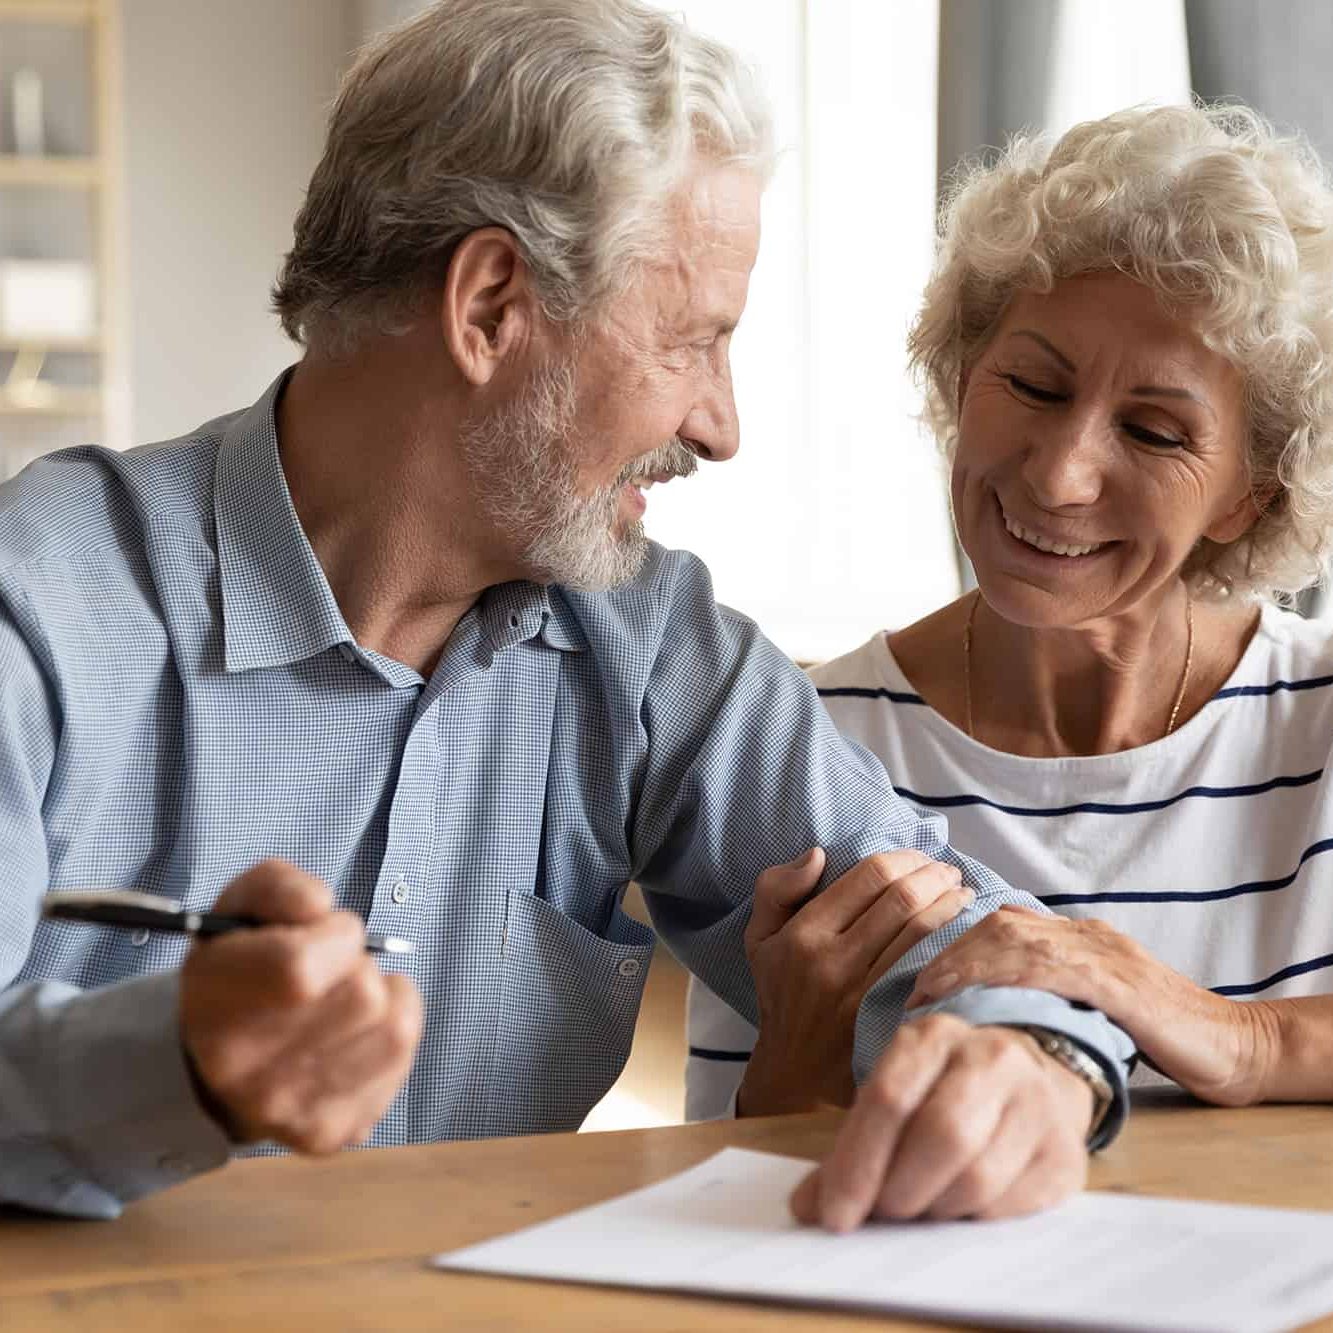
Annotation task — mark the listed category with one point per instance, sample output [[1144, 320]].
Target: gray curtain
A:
[[994, 69], [1276, 56]]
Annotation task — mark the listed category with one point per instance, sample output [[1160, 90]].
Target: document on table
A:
[[1101, 1261]]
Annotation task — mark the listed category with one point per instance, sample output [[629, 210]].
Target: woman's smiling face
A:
[[1098, 440]]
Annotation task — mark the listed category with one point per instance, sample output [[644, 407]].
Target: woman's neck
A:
[[1110, 685]]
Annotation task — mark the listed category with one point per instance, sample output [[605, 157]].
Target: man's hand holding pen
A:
[[293, 1032]]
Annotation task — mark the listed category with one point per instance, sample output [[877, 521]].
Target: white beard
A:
[[524, 468]]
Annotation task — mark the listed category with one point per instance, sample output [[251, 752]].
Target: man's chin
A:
[[612, 564]]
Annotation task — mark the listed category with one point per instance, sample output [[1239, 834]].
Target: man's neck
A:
[[372, 464]]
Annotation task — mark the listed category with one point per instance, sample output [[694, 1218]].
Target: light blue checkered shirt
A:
[[181, 697]]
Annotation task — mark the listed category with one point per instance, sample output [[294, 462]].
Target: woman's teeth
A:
[[1035, 539]]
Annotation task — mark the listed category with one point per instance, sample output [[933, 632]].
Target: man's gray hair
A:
[[567, 122]]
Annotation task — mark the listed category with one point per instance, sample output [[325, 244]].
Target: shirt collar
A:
[[515, 612], [277, 606]]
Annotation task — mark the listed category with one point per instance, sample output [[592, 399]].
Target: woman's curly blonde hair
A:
[[1232, 226]]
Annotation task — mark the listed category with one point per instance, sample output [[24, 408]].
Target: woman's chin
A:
[[1035, 607]]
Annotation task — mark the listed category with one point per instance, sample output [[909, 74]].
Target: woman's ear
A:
[[1240, 518], [488, 306]]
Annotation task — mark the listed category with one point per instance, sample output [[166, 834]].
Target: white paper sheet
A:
[[1102, 1261]]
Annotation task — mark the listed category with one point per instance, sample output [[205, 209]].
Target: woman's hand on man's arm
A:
[[1223, 1051]]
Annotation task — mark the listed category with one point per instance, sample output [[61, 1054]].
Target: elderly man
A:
[[397, 624]]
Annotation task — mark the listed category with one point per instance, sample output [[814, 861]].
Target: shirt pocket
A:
[[568, 1003]]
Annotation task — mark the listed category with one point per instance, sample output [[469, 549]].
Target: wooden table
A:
[[283, 1245]]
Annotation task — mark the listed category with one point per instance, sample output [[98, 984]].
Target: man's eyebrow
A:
[[1048, 345]]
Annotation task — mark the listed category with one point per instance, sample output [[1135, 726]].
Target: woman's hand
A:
[[813, 960], [1216, 1048]]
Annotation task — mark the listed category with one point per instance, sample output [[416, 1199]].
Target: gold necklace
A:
[[1180, 689]]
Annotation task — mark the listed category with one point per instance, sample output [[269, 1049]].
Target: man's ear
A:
[[488, 306]]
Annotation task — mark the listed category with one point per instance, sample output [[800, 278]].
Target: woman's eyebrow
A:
[[1168, 391], [1048, 345]]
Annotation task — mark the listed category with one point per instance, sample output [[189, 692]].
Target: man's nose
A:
[[712, 429]]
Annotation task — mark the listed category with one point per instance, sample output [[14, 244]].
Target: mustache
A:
[[672, 459]]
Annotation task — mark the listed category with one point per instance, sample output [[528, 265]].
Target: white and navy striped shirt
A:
[[1213, 847]]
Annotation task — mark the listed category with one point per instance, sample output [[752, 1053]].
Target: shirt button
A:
[[399, 894], [139, 938], [629, 967]]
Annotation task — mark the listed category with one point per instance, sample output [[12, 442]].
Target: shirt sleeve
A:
[[96, 1103], [745, 769]]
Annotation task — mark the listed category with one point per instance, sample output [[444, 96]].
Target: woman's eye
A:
[[1146, 436], [1026, 390]]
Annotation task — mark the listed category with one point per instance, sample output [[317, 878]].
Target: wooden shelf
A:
[[60, 403], [87, 32], [61, 172], [49, 11]]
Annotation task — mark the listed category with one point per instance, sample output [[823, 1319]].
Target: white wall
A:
[[832, 521], [224, 107]]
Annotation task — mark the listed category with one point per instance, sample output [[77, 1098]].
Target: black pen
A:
[[146, 911]]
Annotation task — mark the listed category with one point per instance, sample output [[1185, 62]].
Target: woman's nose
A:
[[1065, 463]]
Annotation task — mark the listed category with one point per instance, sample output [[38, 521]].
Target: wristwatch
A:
[[1069, 1053]]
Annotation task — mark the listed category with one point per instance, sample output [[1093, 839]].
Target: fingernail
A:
[[969, 896], [840, 1216], [805, 861]]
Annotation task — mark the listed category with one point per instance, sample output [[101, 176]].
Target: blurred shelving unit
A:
[[59, 174]]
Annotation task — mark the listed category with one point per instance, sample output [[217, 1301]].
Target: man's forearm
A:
[[96, 1103]]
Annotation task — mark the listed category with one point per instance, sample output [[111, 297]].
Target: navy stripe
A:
[[1236, 691], [857, 692], [705, 1053], [1197, 895], [1106, 808], [1230, 692], [1295, 970]]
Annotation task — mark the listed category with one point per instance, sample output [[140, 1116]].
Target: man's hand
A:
[[955, 1121], [814, 959], [293, 1032], [1219, 1049]]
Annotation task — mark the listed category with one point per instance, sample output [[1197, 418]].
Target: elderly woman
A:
[[1128, 346]]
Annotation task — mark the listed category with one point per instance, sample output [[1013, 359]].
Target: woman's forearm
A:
[[1296, 1040]]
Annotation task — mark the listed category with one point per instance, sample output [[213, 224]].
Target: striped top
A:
[[1213, 847]]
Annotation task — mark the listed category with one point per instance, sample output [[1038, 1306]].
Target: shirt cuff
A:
[[1013, 1006], [987, 1007], [122, 1118]]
